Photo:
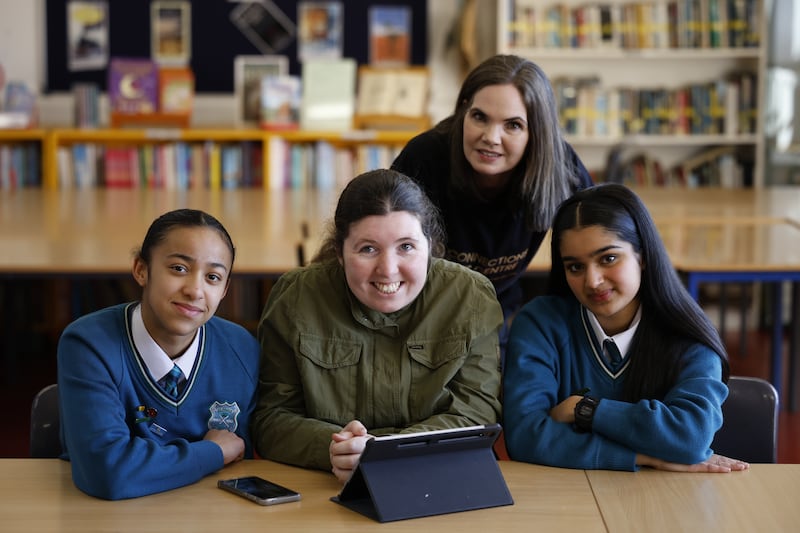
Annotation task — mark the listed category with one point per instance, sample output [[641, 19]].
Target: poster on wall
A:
[[320, 30], [87, 35], [171, 32], [264, 24], [389, 36]]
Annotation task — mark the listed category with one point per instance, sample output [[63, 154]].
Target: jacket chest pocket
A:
[[433, 366], [328, 369]]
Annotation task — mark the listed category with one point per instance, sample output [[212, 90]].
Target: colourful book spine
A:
[[214, 166]]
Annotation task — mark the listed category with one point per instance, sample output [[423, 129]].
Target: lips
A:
[[188, 309], [387, 288], [487, 154], [600, 297]]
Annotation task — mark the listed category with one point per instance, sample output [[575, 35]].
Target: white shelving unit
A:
[[670, 68]]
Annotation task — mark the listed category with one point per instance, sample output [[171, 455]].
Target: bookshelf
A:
[[671, 89], [21, 153], [175, 158]]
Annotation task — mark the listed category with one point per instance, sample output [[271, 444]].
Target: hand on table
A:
[[346, 447], [714, 464]]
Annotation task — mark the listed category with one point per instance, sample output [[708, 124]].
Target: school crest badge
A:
[[224, 416]]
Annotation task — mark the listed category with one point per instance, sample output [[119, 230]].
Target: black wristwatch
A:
[[584, 413]]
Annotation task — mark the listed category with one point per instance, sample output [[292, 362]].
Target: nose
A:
[[194, 287], [491, 134], [387, 264], [594, 277]]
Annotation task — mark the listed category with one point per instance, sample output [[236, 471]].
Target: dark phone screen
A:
[[260, 488]]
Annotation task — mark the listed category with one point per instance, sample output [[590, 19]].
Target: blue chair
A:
[[750, 421], [45, 424]]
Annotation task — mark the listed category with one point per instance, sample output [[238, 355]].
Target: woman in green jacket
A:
[[376, 336]]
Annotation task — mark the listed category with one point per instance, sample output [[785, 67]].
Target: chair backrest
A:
[[45, 424], [749, 430]]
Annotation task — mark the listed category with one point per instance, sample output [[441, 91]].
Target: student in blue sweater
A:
[[617, 367], [157, 394]]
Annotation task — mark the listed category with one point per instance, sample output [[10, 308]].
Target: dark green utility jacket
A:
[[326, 360]]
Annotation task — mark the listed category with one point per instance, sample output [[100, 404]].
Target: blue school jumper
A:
[[552, 353], [124, 436]]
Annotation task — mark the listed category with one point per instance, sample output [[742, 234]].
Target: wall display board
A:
[[215, 38]]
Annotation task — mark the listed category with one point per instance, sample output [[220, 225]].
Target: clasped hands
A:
[[231, 444], [346, 447]]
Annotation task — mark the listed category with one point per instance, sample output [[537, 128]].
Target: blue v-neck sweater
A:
[[123, 435], [552, 353]]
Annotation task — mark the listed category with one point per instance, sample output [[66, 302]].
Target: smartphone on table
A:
[[259, 490]]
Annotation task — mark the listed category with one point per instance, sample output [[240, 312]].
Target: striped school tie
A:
[[612, 354], [171, 380]]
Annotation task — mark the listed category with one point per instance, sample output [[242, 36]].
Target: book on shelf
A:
[[19, 106], [86, 98], [19, 165], [230, 166], [132, 85], [400, 92], [175, 90], [117, 168], [85, 162], [719, 107], [716, 166], [645, 24], [281, 96], [24, 164], [177, 165], [328, 102]]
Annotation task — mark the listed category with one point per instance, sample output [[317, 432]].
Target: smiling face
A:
[[183, 285], [385, 259], [495, 134], [604, 273]]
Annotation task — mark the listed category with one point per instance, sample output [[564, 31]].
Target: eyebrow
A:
[[595, 253], [190, 259], [515, 117]]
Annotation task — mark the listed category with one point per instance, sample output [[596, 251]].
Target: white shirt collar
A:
[[623, 339], [156, 359]]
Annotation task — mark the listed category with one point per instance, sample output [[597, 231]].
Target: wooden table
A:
[[37, 495], [75, 232], [94, 231], [763, 498]]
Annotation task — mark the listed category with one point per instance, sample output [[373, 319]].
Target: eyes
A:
[[403, 248], [212, 277], [512, 125], [575, 267]]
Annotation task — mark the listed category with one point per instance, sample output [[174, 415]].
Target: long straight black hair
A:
[[671, 319]]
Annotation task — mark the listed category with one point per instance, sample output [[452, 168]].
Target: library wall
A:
[[215, 39], [22, 53]]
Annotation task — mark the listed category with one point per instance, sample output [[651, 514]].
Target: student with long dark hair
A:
[[497, 169], [618, 367]]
